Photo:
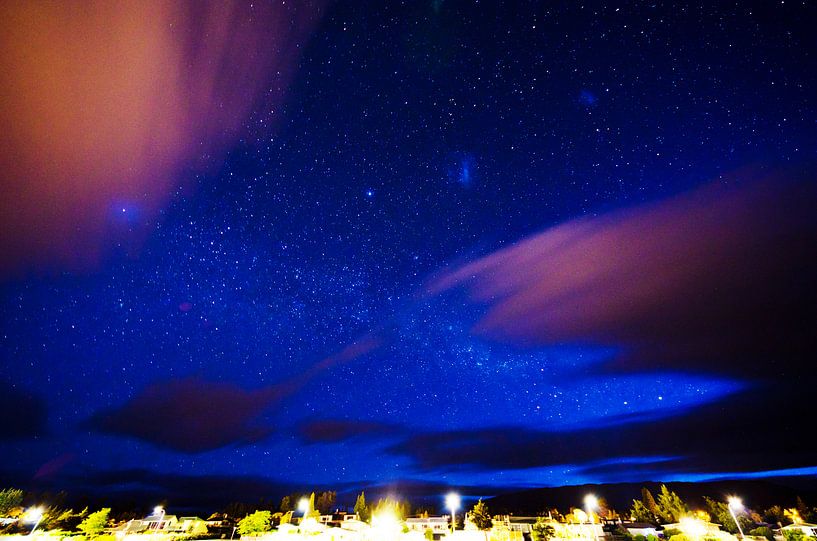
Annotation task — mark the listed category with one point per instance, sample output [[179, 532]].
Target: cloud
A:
[[106, 107], [54, 466], [725, 273], [342, 430], [22, 414], [189, 415], [759, 429], [193, 415]]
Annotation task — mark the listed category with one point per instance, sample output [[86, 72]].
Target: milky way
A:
[[413, 142]]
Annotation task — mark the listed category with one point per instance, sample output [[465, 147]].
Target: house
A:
[[516, 524], [354, 525], [337, 518], [695, 527], [438, 525], [186, 524], [640, 528], [158, 522], [585, 530]]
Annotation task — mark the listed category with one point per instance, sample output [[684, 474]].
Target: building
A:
[[640, 528], [161, 524], [337, 518], [438, 525], [695, 527], [516, 524]]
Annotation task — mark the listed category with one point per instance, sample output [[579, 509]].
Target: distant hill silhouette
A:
[[756, 494]]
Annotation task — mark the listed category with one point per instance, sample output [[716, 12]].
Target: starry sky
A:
[[439, 244]]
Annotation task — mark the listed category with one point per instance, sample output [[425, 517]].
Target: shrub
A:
[[763, 531], [679, 537], [94, 523], [795, 535], [254, 524]]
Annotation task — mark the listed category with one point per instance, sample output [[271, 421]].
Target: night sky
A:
[[468, 244]]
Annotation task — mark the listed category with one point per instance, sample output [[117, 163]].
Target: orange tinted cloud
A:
[[105, 104], [725, 273]]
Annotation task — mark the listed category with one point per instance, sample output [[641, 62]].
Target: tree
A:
[[808, 514], [774, 515], [361, 509], [198, 529], [286, 504], [542, 530], [604, 511], [645, 510], [670, 507], [11, 500], [649, 501], [254, 524], [480, 516], [95, 523], [326, 501], [720, 512], [556, 515], [237, 510], [64, 519], [312, 512], [793, 516], [640, 513], [399, 509]]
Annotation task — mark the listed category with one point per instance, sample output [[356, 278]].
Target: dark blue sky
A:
[[417, 138]]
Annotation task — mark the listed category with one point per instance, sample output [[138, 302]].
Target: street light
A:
[[159, 510], [386, 525], [693, 527], [591, 503], [303, 506], [35, 515], [735, 503], [452, 503]]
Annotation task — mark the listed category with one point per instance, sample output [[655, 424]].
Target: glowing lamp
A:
[[33, 515], [303, 505]]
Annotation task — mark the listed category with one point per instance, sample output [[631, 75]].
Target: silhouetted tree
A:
[[286, 504], [326, 501], [254, 524], [480, 517], [11, 501], [95, 523], [640, 513], [670, 506], [361, 509], [541, 530]]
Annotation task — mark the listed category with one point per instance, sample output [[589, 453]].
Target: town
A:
[[664, 516]]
